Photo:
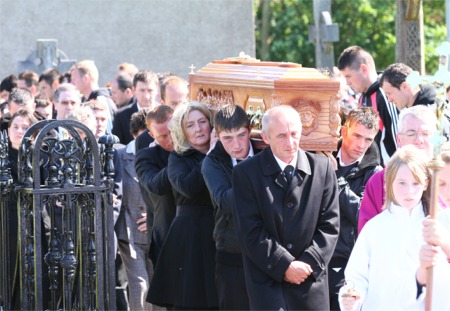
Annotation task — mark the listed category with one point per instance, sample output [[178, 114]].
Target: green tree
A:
[[282, 29]]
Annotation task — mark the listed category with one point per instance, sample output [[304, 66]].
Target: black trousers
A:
[[230, 282]]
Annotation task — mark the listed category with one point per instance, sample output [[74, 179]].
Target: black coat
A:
[[151, 168], [184, 273], [121, 123], [217, 170], [277, 224], [143, 140], [426, 96]]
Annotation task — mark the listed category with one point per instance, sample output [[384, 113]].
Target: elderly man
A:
[[287, 218], [417, 126], [67, 98]]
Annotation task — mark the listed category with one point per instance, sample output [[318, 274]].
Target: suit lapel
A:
[[281, 181], [270, 167]]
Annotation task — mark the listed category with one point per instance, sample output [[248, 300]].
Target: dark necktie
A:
[[288, 170]]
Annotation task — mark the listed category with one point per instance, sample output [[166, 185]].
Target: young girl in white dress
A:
[[381, 272]]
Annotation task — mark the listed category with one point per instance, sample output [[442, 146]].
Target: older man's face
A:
[[418, 133], [284, 132], [67, 102]]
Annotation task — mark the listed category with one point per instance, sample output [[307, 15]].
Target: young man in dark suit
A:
[[287, 218], [145, 90], [232, 128]]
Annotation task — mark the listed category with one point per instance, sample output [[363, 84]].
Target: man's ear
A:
[[86, 78], [128, 91], [405, 86], [55, 85], [151, 135], [344, 131], [364, 69], [265, 138], [399, 140]]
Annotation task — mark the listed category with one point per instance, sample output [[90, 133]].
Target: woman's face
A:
[[17, 129], [407, 190], [444, 184], [198, 130]]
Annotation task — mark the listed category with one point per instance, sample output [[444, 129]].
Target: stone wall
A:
[[159, 35]]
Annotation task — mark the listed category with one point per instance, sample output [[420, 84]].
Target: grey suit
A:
[[133, 244]]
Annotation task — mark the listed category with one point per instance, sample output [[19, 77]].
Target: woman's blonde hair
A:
[[178, 122], [416, 160]]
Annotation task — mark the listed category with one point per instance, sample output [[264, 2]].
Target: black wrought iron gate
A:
[[65, 211]]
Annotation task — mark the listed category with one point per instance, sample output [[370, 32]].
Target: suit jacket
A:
[[132, 203], [121, 123], [151, 168], [278, 223]]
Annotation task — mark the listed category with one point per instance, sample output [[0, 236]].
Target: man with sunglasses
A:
[[67, 98]]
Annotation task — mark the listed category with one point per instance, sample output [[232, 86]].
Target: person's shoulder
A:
[[377, 222], [120, 153], [256, 158], [210, 162], [176, 155], [144, 152], [218, 153], [377, 177], [126, 109], [315, 158], [102, 91], [120, 148], [313, 155]]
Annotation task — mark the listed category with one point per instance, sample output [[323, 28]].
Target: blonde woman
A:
[[184, 273]]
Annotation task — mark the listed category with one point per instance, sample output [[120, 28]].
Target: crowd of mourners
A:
[[206, 220]]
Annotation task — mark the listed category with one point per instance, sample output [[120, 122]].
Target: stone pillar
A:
[[409, 32], [323, 34]]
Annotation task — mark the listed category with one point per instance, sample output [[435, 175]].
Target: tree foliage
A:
[[367, 23]]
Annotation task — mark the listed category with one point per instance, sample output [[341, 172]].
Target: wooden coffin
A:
[[257, 86]]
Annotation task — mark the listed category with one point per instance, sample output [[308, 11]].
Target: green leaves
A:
[[367, 23]]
